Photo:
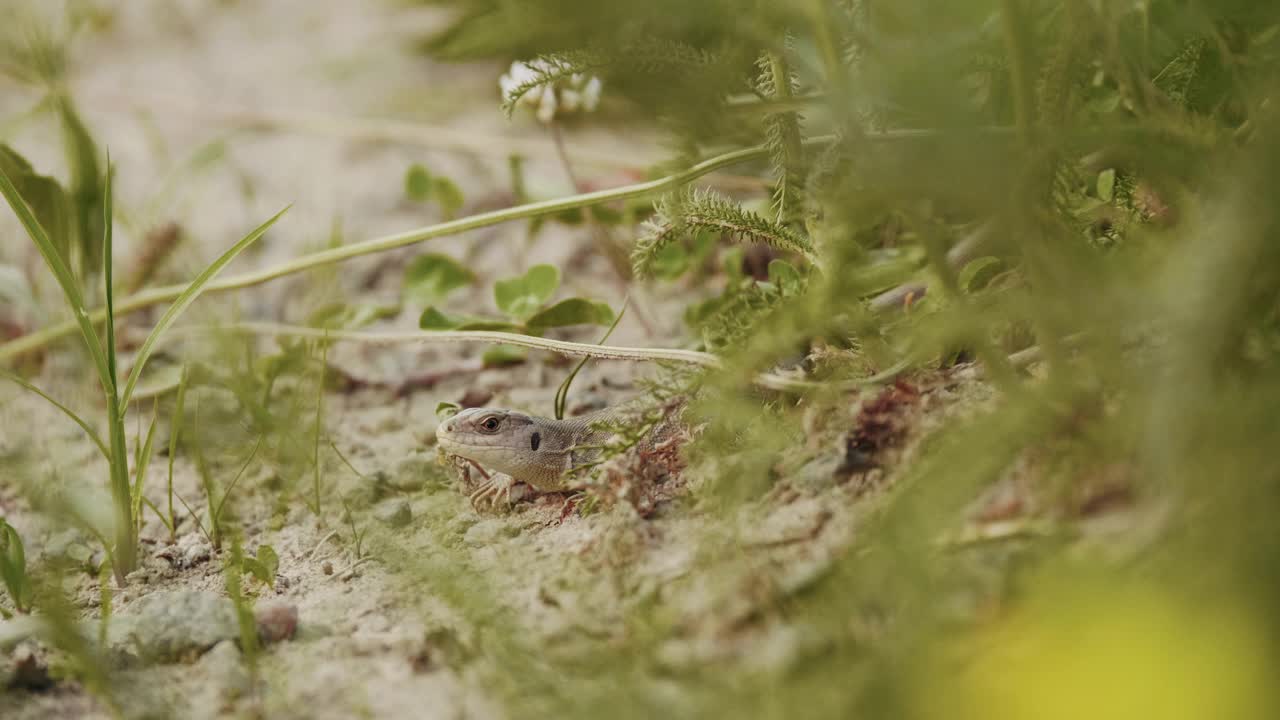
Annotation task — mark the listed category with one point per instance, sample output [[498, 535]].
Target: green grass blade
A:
[[102, 447], [104, 604], [175, 429], [159, 515], [184, 301], [62, 273], [562, 393], [315, 456], [107, 280], [199, 523], [140, 467], [217, 512], [121, 496], [13, 565]]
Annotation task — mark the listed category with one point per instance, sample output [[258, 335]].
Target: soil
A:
[[217, 114]]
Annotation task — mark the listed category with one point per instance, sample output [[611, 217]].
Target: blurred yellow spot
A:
[[1103, 656]]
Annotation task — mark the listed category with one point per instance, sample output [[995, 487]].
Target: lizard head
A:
[[501, 440]]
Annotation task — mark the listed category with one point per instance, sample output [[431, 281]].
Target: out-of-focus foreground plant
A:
[[102, 351], [1088, 183]]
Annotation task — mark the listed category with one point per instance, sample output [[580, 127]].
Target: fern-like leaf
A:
[[1177, 78], [690, 211], [1062, 73], [649, 57], [782, 136]]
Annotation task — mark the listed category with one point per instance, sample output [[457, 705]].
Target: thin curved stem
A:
[[773, 381], [563, 347], [93, 435], [155, 296]]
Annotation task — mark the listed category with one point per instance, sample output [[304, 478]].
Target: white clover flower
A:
[[576, 93], [546, 105], [591, 94], [519, 74]]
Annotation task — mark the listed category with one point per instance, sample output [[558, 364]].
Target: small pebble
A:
[[276, 622], [228, 679], [486, 532], [190, 550], [169, 626], [411, 472], [395, 513]]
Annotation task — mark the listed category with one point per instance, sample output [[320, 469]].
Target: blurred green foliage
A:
[[522, 299], [1093, 180], [13, 569], [945, 182], [421, 186]]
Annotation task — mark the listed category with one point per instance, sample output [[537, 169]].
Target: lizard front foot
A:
[[497, 487]]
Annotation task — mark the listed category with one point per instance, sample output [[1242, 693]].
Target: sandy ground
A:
[[409, 628]]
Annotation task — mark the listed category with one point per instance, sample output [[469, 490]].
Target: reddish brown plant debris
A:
[[756, 259], [157, 246], [1003, 506], [1109, 491], [1153, 207], [643, 476], [423, 661], [28, 671], [1106, 500], [474, 398], [10, 330], [881, 424]]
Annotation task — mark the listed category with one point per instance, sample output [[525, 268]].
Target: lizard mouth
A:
[[480, 451], [447, 438], [451, 443]]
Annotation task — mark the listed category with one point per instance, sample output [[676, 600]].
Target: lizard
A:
[[540, 452]]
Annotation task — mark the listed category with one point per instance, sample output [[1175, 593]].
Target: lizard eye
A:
[[490, 423]]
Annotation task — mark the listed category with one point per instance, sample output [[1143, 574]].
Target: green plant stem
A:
[[615, 255], [121, 494], [772, 381], [997, 365], [183, 300], [355, 129], [749, 103], [175, 431], [315, 456], [822, 22], [104, 605], [346, 462], [93, 435], [66, 281], [198, 521], [156, 296], [1018, 48], [562, 392], [126, 550], [793, 149], [215, 513]]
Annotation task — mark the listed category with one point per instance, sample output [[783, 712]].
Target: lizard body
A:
[[537, 451]]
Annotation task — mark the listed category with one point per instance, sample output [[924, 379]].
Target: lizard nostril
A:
[[448, 426]]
